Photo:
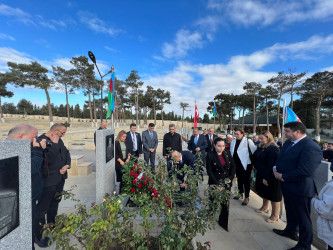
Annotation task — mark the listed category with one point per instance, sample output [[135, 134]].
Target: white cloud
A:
[[328, 68], [5, 36], [268, 12], [9, 11], [190, 82], [185, 40], [96, 24], [111, 49], [12, 55]]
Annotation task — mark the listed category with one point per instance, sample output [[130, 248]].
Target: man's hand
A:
[[265, 182], [152, 150], [121, 162], [197, 149], [183, 185], [140, 155], [63, 169], [42, 143], [165, 157], [220, 188], [277, 174], [54, 138]]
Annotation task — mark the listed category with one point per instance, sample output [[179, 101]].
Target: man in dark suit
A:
[[102, 126], [150, 142], [298, 159], [198, 143], [134, 140], [183, 158], [210, 137]]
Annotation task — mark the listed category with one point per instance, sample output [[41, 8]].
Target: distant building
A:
[[261, 123]]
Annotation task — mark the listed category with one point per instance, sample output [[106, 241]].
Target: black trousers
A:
[[244, 179], [149, 156], [33, 217], [298, 210], [48, 205], [119, 176], [330, 248]]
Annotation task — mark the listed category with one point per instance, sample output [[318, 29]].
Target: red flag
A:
[[196, 116]]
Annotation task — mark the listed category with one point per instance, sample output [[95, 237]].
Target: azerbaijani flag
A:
[[111, 97], [290, 116], [215, 110]]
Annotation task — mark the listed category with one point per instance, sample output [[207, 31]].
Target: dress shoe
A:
[[298, 247], [245, 202], [284, 233], [43, 243]]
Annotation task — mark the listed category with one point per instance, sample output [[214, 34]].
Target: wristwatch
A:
[[68, 166]]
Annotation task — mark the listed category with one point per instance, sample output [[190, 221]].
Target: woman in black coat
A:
[[267, 186], [220, 166], [122, 154]]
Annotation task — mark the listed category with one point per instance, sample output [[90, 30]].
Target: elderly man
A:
[[25, 131], [256, 140], [183, 158], [210, 137], [102, 126], [58, 161], [198, 143], [228, 140]]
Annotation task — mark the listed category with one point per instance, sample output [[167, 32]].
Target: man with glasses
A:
[[57, 161]]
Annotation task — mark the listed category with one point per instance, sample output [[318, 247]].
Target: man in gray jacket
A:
[[150, 142]]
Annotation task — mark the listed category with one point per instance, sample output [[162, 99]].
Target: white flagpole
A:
[[214, 117], [283, 118]]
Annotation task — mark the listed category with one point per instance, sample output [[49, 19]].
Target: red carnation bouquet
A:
[[137, 183]]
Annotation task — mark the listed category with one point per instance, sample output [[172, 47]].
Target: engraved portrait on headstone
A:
[[9, 195], [109, 141]]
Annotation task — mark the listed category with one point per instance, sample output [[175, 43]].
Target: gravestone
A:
[[15, 194], [105, 163]]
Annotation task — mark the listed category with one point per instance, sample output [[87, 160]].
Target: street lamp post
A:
[[93, 59]]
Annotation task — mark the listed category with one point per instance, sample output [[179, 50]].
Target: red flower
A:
[[134, 181], [132, 173], [149, 189], [144, 192], [136, 175], [169, 204], [140, 169], [154, 190], [142, 178], [133, 190], [147, 178], [140, 185], [133, 167], [145, 183]]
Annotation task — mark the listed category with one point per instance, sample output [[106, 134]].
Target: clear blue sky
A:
[[193, 48]]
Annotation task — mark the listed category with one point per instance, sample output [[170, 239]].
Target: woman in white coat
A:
[[239, 148], [323, 207]]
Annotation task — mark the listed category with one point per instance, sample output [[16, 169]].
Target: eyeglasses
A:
[[63, 133]]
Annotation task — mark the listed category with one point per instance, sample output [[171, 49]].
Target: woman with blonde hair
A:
[[122, 154], [267, 186]]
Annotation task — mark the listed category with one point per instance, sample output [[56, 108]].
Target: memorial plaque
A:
[[109, 144], [9, 195], [105, 164], [15, 194]]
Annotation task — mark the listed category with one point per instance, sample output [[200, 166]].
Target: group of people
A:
[[50, 160], [281, 170]]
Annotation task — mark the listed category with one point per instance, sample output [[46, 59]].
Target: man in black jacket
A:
[[57, 161], [102, 126], [171, 142], [25, 131]]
